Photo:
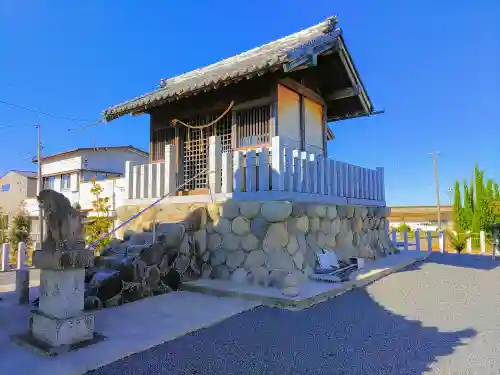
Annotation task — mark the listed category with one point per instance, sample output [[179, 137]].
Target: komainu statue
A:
[[63, 225]]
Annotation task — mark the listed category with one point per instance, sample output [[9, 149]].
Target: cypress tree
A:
[[468, 210], [478, 219], [457, 209], [489, 214]]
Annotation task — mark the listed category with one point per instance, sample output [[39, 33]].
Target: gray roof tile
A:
[[261, 59]]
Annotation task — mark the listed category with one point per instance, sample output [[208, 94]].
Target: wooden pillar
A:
[[277, 163], [214, 164]]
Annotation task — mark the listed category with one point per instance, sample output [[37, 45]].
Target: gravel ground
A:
[[439, 317]]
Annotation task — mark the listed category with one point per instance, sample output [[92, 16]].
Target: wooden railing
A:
[[275, 172], [282, 172]]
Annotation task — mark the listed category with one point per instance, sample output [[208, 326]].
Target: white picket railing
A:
[[21, 256], [426, 241], [277, 172]]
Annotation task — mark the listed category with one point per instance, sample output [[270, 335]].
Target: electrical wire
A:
[[15, 126], [42, 112], [87, 126]]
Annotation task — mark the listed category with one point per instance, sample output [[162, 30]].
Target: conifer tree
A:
[[468, 210], [457, 209]]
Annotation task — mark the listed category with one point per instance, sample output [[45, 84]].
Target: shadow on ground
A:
[[464, 260], [351, 334]]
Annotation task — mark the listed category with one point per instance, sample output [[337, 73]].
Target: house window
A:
[[253, 126], [160, 138], [6, 187], [88, 176], [48, 182], [65, 181]]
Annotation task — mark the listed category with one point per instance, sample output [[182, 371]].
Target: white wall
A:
[[289, 116], [61, 165], [84, 197], [313, 125], [112, 160], [100, 160], [289, 121], [79, 192]]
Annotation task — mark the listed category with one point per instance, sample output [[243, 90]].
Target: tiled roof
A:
[[28, 174], [269, 57]]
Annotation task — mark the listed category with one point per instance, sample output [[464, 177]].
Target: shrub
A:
[[99, 225], [404, 227], [458, 240], [19, 231]]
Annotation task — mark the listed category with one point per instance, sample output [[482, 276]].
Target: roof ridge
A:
[[193, 73], [328, 25]]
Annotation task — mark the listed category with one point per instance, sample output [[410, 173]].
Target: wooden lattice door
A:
[[195, 148]]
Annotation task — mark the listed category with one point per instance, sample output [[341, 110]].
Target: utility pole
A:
[[39, 182], [436, 179], [450, 193]]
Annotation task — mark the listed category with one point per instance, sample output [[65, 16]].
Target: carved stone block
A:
[[61, 260], [59, 332], [62, 292]]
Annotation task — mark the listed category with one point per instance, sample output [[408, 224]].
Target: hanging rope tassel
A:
[[176, 121]]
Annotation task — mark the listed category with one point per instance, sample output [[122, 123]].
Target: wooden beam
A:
[[348, 92], [308, 55], [302, 123], [253, 103], [301, 89]]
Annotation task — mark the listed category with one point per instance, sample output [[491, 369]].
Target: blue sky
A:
[[433, 66]]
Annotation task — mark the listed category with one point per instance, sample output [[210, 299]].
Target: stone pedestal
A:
[[59, 323], [23, 286]]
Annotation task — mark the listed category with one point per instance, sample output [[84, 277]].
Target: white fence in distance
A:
[[442, 241], [278, 171], [21, 256]]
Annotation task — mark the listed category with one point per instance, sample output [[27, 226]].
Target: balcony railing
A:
[[275, 172]]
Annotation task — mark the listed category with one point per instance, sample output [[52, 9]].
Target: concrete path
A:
[[439, 317], [8, 279], [129, 329]]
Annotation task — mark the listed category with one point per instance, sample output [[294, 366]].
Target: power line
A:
[[42, 112], [15, 126], [58, 93], [87, 126]]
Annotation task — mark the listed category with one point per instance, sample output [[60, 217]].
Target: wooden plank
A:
[[238, 172], [137, 181], [314, 174], [305, 172], [215, 164], [227, 172], [297, 171], [302, 123], [289, 169], [321, 175], [301, 89], [251, 172], [277, 164], [253, 103], [333, 178], [264, 169]]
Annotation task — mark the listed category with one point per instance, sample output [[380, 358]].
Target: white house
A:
[[70, 173]]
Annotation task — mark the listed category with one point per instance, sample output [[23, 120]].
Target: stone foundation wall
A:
[[271, 243]]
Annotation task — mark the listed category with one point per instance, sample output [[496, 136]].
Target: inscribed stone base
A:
[[61, 332], [62, 292], [23, 286], [40, 347], [60, 260]]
